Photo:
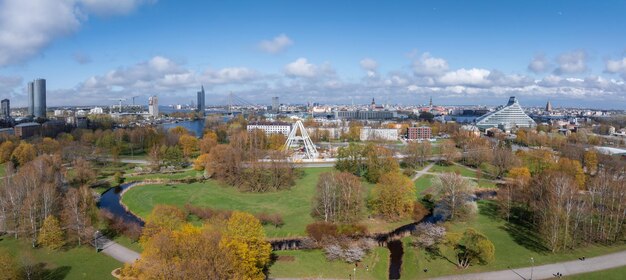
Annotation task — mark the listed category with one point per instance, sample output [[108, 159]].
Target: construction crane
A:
[[120, 100]]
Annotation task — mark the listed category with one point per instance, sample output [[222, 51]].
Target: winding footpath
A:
[[549, 270], [117, 251]]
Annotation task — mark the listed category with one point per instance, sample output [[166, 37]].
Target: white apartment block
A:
[[386, 134], [271, 128]]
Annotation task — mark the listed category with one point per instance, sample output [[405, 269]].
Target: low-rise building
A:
[[386, 134], [419, 133], [271, 128], [27, 130]]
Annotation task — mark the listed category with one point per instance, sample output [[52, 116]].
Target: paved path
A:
[[549, 270], [118, 251], [423, 171]]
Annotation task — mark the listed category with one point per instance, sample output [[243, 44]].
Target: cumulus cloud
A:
[[473, 77], [539, 64], [370, 66], [616, 67], [428, 65], [28, 26], [279, 44], [301, 68], [571, 63], [8, 85]]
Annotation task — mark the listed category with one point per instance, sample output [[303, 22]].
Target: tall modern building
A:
[[153, 106], [511, 115], [31, 98], [6, 109], [275, 104], [39, 98], [201, 100]]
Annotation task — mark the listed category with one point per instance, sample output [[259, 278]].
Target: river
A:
[[195, 126], [110, 200]]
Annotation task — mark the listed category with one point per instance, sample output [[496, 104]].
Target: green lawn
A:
[[509, 253], [293, 204], [409, 261], [171, 176], [609, 274], [126, 242], [3, 171], [422, 184], [464, 171], [313, 264], [76, 263]]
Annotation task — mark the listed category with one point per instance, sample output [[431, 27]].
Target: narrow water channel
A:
[[111, 201], [395, 258]]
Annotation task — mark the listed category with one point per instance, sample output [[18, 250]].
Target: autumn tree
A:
[[471, 247], [572, 168], [51, 235], [379, 161], [162, 217], [246, 247], [189, 144], [155, 157], [393, 196], [79, 209], [208, 141], [339, 197], [10, 269], [6, 149], [200, 162], [276, 141], [511, 192], [83, 173], [350, 159], [453, 193], [23, 153], [48, 146], [590, 159], [503, 159], [449, 152], [417, 153]]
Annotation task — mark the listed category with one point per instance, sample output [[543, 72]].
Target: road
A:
[[549, 270], [118, 251]]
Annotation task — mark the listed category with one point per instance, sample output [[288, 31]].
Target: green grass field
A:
[[513, 248], [313, 264], [453, 168], [609, 274], [165, 176], [293, 204], [422, 184], [75, 263], [3, 171]]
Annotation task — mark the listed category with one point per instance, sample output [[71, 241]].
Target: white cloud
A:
[[369, 64], [28, 26], [276, 45], [301, 68], [616, 67], [571, 63], [472, 77], [427, 65], [539, 64]]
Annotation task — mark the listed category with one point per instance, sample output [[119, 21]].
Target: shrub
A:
[[270, 219], [318, 230], [419, 211], [352, 230]]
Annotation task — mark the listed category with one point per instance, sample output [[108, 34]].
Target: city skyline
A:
[[572, 53]]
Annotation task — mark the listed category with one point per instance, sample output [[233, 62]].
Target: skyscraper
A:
[[201, 99], [153, 106], [39, 98], [31, 98], [6, 109], [275, 104]]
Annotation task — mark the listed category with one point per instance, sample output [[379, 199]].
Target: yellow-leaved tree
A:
[[51, 235], [394, 195], [244, 242], [23, 153], [189, 144]]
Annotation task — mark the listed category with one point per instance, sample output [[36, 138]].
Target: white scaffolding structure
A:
[[310, 152]]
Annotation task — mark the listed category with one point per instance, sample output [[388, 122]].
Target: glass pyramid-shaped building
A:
[[510, 115]]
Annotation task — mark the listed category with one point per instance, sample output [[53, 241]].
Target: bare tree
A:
[[339, 197], [453, 192]]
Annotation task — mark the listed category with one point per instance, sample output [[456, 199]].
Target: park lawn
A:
[[617, 273], [313, 264], [3, 171], [422, 184], [509, 253], [409, 260], [165, 176], [293, 204], [487, 184], [464, 171], [75, 263]]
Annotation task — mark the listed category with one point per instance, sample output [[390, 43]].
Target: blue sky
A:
[[458, 52]]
